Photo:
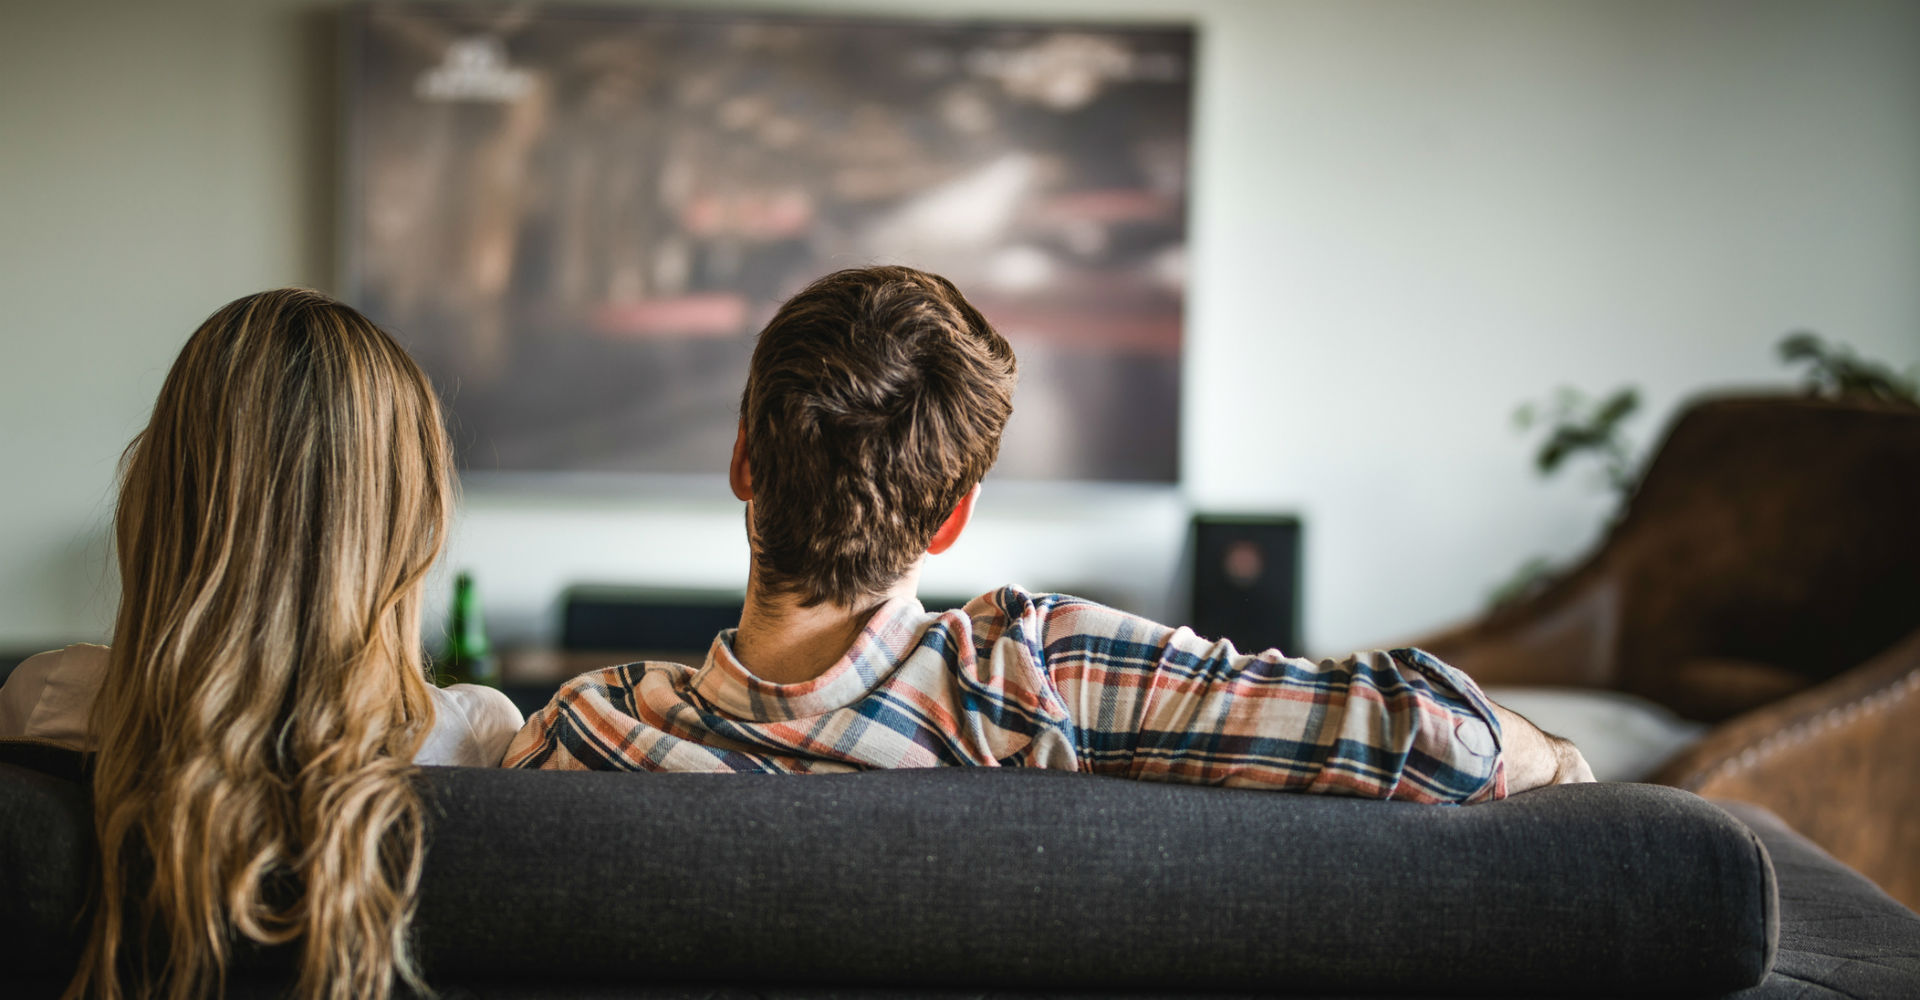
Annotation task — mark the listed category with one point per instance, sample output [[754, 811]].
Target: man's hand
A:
[[1535, 758]]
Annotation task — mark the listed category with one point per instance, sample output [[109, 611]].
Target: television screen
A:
[[577, 219]]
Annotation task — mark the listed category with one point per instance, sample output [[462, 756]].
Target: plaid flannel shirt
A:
[[1042, 680]]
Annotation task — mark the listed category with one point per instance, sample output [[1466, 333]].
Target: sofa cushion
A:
[[1847, 937], [1031, 880]]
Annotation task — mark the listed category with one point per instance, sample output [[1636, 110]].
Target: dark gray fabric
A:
[[1039, 880], [46, 852], [47, 758], [1840, 935], [988, 882]]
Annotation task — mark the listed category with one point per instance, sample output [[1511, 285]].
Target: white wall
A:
[[1408, 217]]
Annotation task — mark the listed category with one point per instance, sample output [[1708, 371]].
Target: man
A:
[[873, 408]]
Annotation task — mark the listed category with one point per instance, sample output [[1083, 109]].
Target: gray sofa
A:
[[981, 882]]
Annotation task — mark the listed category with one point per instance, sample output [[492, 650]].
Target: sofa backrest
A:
[[1026, 880]]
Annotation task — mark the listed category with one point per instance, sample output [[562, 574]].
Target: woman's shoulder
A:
[[471, 728], [472, 700]]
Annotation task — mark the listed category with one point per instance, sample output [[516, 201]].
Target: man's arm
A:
[[573, 732], [1151, 702], [1534, 757]]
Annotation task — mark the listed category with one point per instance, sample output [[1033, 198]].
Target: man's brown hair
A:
[[874, 402]]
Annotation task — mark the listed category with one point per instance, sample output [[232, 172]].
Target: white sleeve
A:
[[472, 726]]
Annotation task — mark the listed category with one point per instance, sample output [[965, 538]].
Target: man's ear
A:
[[739, 474], [955, 523]]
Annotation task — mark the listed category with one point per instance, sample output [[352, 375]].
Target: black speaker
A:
[[1246, 581]]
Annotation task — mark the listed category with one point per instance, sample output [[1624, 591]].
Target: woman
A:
[[264, 696]]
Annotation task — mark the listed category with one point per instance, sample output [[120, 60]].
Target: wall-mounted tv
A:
[[578, 218]]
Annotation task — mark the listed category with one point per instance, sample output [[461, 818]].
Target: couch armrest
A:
[[1840, 935], [1835, 762]]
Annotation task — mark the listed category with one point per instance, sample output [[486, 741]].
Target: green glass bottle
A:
[[470, 658]]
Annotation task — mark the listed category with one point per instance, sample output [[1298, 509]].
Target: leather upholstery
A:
[[1765, 574], [1838, 762]]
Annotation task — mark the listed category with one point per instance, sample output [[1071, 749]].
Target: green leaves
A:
[[1837, 373], [1579, 425]]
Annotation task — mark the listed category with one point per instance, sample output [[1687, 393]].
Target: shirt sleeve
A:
[[545, 742], [495, 720], [581, 729], [1157, 703]]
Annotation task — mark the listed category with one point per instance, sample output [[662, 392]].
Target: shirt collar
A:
[[890, 633]]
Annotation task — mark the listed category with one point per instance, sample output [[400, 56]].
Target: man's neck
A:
[[782, 642]]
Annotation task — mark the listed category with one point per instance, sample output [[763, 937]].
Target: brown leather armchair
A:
[[1765, 576]]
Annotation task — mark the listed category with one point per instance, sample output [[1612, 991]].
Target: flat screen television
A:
[[577, 219]]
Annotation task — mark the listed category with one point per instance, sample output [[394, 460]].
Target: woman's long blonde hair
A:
[[266, 695]]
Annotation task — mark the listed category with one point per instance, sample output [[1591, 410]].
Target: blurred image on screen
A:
[[578, 219]]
